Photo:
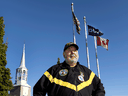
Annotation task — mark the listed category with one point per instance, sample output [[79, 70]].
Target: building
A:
[[21, 88]]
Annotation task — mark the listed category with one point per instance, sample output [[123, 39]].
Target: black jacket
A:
[[63, 80]]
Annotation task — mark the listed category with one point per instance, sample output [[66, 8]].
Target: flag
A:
[[102, 42], [94, 32], [76, 22]]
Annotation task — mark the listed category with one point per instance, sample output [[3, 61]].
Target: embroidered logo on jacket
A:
[[63, 72], [81, 77]]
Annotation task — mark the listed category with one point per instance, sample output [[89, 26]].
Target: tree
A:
[[58, 62], [5, 82]]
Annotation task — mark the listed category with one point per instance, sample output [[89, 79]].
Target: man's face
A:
[[71, 55]]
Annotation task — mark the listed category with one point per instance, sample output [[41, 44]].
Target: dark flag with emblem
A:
[[76, 22], [94, 32]]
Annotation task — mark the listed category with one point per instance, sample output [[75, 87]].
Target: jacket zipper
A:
[[76, 88], [75, 84]]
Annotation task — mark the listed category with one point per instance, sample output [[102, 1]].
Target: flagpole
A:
[[86, 43], [74, 39], [97, 57]]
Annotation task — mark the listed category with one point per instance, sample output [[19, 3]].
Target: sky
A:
[[46, 26]]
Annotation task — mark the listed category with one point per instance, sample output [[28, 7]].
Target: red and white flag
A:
[[102, 42]]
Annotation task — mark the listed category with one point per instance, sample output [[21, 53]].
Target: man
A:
[[69, 78]]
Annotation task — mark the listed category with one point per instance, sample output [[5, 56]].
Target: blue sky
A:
[[46, 26]]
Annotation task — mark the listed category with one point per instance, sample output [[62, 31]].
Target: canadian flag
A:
[[102, 42]]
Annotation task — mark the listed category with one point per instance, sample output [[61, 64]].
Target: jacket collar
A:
[[64, 64]]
